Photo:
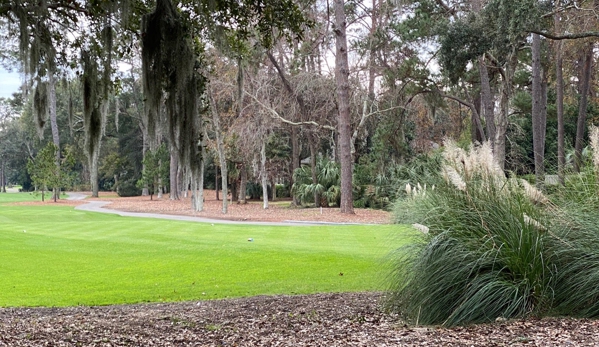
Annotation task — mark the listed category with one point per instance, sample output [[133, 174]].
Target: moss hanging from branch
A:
[[40, 107], [170, 73], [92, 117]]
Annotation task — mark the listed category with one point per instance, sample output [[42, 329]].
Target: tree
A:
[[156, 170], [539, 114], [344, 119], [585, 85], [44, 172]]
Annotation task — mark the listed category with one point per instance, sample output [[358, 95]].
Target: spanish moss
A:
[[93, 119], [169, 72], [40, 106]]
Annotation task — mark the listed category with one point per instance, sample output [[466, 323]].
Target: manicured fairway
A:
[[56, 256]]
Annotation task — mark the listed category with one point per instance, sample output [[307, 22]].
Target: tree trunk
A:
[[274, 190], [487, 103], [197, 179], [372, 53], [234, 190], [264, 175], [313, 170], [3, 178], [174, 175], [220, 148], [160, 185], [475, 127], [144, 136], [559, 76], [216, 181], [344, 120], [54, 126], [501, 121], [93, 171], [243, 185], [582, 105], [538, 135], [295, 159]]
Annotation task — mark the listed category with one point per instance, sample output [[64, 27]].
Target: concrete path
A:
[[98, 206]]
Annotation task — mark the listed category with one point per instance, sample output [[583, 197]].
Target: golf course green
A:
[[59, 256]]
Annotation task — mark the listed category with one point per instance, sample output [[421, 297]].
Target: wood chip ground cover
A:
[[344, 319], [347, 319]]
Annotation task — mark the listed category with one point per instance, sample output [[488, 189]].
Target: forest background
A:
[[265, 118]]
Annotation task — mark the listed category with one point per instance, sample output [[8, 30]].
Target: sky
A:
[[9, 83]]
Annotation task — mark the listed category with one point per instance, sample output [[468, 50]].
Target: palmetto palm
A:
[[327, 185]]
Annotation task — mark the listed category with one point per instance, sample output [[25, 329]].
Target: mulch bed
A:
[[346, 319], [252, 211]]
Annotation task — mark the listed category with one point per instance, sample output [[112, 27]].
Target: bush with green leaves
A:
[[380, 190], [492, 247]]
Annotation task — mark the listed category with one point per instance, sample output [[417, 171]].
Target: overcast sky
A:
[[9, 83]]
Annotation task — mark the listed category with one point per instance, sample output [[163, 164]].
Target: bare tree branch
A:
[[574, 36], [276, 115]]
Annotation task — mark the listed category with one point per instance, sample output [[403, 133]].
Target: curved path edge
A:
[[99, 206]]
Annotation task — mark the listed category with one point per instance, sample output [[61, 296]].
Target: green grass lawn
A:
[[56, 256]]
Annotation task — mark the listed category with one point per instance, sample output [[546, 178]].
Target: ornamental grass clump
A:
[[484, 254], [576, 249]]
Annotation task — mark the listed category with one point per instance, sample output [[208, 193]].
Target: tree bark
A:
[[54, 126], [487, 103], [216, 181], [174, 175], [93, 172], [344, 120], [243, 184], [313, 169], [501, 121], [559, 86], [582, 105], [197, 179], [295, 159], [264, 175], [538, 134]]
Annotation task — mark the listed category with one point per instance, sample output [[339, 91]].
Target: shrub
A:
[[128, 188], [497, 247], [482, 255]]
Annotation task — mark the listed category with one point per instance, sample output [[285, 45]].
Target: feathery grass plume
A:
[[452, 176], [422, 228], [534, 223], [454, 156], [533, 193], [408, 190]]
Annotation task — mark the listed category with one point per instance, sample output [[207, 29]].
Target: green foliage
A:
[[382, 189], [84, 258], [46, 172], [463, 42], [156, 169], [327, 185]]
